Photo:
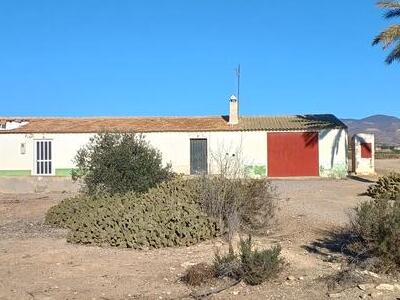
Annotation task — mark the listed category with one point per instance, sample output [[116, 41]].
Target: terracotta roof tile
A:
[[172, 124]]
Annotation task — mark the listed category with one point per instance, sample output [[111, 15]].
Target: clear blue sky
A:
[[97, 57]]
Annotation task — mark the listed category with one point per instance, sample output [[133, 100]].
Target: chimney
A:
[[233, 110]]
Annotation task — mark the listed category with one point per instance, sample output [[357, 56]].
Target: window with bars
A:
[[43, 157]]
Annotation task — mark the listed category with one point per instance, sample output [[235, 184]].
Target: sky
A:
[[178, 58]]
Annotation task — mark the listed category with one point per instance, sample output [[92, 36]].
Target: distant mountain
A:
[[385, 128]]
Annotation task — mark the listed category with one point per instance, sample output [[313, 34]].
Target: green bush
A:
[[259, 266], [119, 163], [252, 266], [387, 187], [376, 228], [166, 216]]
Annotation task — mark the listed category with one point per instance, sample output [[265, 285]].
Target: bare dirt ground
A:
[[37, 263], [385, 166]]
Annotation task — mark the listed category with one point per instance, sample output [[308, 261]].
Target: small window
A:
[[22, 148], [43, 157], [366, 150]]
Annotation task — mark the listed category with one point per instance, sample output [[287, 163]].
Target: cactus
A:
[[166, 216], [387, 187]]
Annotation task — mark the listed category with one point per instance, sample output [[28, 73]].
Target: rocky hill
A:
[[385, 128]]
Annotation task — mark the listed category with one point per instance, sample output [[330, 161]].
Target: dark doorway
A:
[[198, 156]]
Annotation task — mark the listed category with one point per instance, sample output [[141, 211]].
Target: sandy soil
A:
[[37, 263], [385, 166]]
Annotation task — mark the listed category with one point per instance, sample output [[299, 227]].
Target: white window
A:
[[43, 157]]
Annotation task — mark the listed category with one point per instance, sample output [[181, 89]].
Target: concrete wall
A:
[[250, 147], [37, 184]]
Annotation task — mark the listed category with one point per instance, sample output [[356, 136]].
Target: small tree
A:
[[119, 163]]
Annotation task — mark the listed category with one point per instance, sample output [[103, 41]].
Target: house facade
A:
[[265, 146]]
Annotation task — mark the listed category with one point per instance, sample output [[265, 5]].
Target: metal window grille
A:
[[44, 158]]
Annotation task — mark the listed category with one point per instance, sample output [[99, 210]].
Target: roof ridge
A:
[[104, 117]]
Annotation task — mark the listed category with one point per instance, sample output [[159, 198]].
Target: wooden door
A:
[[198, 157]]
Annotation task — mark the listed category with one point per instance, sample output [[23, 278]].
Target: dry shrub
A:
[[346, 278], [246, 204], [199, 274], [376, 226], [387, 187]]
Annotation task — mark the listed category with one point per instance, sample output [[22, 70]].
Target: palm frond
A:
[[392, 13], [389, 4], [392, 7], [388, 37], [394, 55]]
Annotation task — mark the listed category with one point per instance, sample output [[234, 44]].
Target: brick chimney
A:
[[233, 110]]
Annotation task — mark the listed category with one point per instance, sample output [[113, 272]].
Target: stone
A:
[[375, 295], [187, 264], [335, 295], [369, 273], [291, 278], [366, 286], [385, 287], [301, 278]]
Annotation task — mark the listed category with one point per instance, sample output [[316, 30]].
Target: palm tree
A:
[[391, 36]]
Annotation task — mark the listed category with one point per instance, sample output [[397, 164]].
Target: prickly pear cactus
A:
[[387, 187], [166, 216]]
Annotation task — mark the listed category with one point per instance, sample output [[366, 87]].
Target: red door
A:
[[293, 154]]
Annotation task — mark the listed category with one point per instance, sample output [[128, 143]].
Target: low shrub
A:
[[259, 266], [252, 266], [387, 187], [166, 216], [376, 228], [238, 204]]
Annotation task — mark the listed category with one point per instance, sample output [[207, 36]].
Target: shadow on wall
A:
[[316, 122]]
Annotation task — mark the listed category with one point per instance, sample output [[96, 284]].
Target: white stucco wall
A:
[[174, 146], [333, 145], [363, 166], [64, 146], [175, 149]]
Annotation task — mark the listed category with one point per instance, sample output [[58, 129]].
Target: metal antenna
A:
[[238, 81]]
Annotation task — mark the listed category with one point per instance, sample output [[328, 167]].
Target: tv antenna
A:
[[238, 81]]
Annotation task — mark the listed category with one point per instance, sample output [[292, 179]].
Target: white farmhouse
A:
[[273, 146]]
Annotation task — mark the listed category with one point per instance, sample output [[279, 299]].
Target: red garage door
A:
[[293, 154]]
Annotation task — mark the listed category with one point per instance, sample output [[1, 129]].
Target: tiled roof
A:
[[305, 122], [171, 124]]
